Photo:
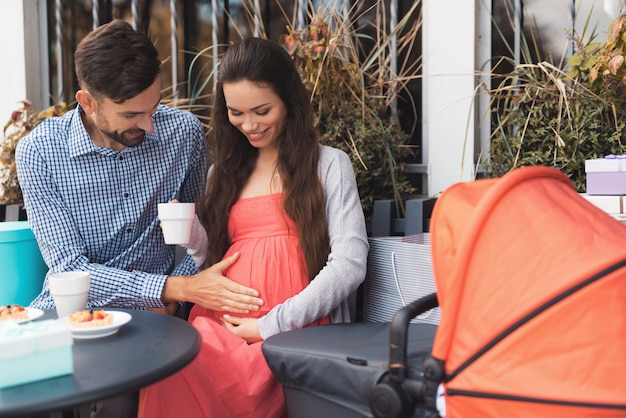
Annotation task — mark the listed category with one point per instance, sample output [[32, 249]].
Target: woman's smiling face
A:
[[256, 111]]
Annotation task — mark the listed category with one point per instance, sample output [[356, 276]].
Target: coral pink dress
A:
[[230, 378]]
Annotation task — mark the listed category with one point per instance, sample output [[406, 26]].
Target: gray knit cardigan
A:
[[333, 290]]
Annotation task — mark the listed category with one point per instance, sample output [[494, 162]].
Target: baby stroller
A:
[[531, 283]]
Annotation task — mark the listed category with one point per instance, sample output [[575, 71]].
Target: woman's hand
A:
[[242, 327]]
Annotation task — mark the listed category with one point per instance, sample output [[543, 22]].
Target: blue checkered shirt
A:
[[95, 209]]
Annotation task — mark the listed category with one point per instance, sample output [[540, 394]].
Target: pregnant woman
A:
[[289, 209]]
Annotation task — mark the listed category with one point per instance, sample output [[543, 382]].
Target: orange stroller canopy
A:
[[531, 282]]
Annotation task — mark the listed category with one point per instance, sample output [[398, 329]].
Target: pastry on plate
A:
[[90, 318], [13, 311]]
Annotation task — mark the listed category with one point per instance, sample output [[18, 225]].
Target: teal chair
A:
[[22, 269]]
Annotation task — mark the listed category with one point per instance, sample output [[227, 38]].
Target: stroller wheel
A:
[[390, 400]]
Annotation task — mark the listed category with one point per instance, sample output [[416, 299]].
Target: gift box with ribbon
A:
[[34, 351], [606, 176]]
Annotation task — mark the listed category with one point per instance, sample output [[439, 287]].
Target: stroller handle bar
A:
[[394, 396], [399, 332]]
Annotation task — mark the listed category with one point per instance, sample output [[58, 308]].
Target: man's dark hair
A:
[[116, 61]]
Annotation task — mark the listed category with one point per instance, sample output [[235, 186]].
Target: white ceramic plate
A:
[[119, 319], [33, 313]]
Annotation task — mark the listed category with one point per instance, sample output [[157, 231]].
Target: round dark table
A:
[[150, 347]]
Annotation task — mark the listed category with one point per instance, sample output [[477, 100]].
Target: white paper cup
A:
[[176, 220], [69, 291]]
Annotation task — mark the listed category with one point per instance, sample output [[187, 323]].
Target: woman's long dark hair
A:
[[267, 64]]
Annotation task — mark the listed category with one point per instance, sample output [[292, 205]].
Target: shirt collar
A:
[[80, 143]]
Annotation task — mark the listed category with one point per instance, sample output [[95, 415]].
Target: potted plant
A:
[[20, 124], [352, 96], [560, 117]]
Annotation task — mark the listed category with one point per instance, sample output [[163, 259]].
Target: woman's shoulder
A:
[[328, 155], [334, 165]]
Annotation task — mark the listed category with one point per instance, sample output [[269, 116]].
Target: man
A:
[[92, 180]]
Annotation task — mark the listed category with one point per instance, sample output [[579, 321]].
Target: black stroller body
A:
[[330, 371]]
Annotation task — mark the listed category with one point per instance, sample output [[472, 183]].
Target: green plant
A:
[[352, 95], [20, 124], [354, 88], [603, 64], [544, 115]]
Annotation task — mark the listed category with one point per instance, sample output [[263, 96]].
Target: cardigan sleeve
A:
[[346, 266], [198, 243], [198, 240]]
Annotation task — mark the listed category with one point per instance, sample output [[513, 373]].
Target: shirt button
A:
[[126, 194], [129, 230], [120, 158]]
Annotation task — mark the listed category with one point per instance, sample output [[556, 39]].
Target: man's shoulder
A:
[[53, 129], [168, 112], [178, 122]]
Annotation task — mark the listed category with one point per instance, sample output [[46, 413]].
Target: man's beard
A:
[[127, 138]]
